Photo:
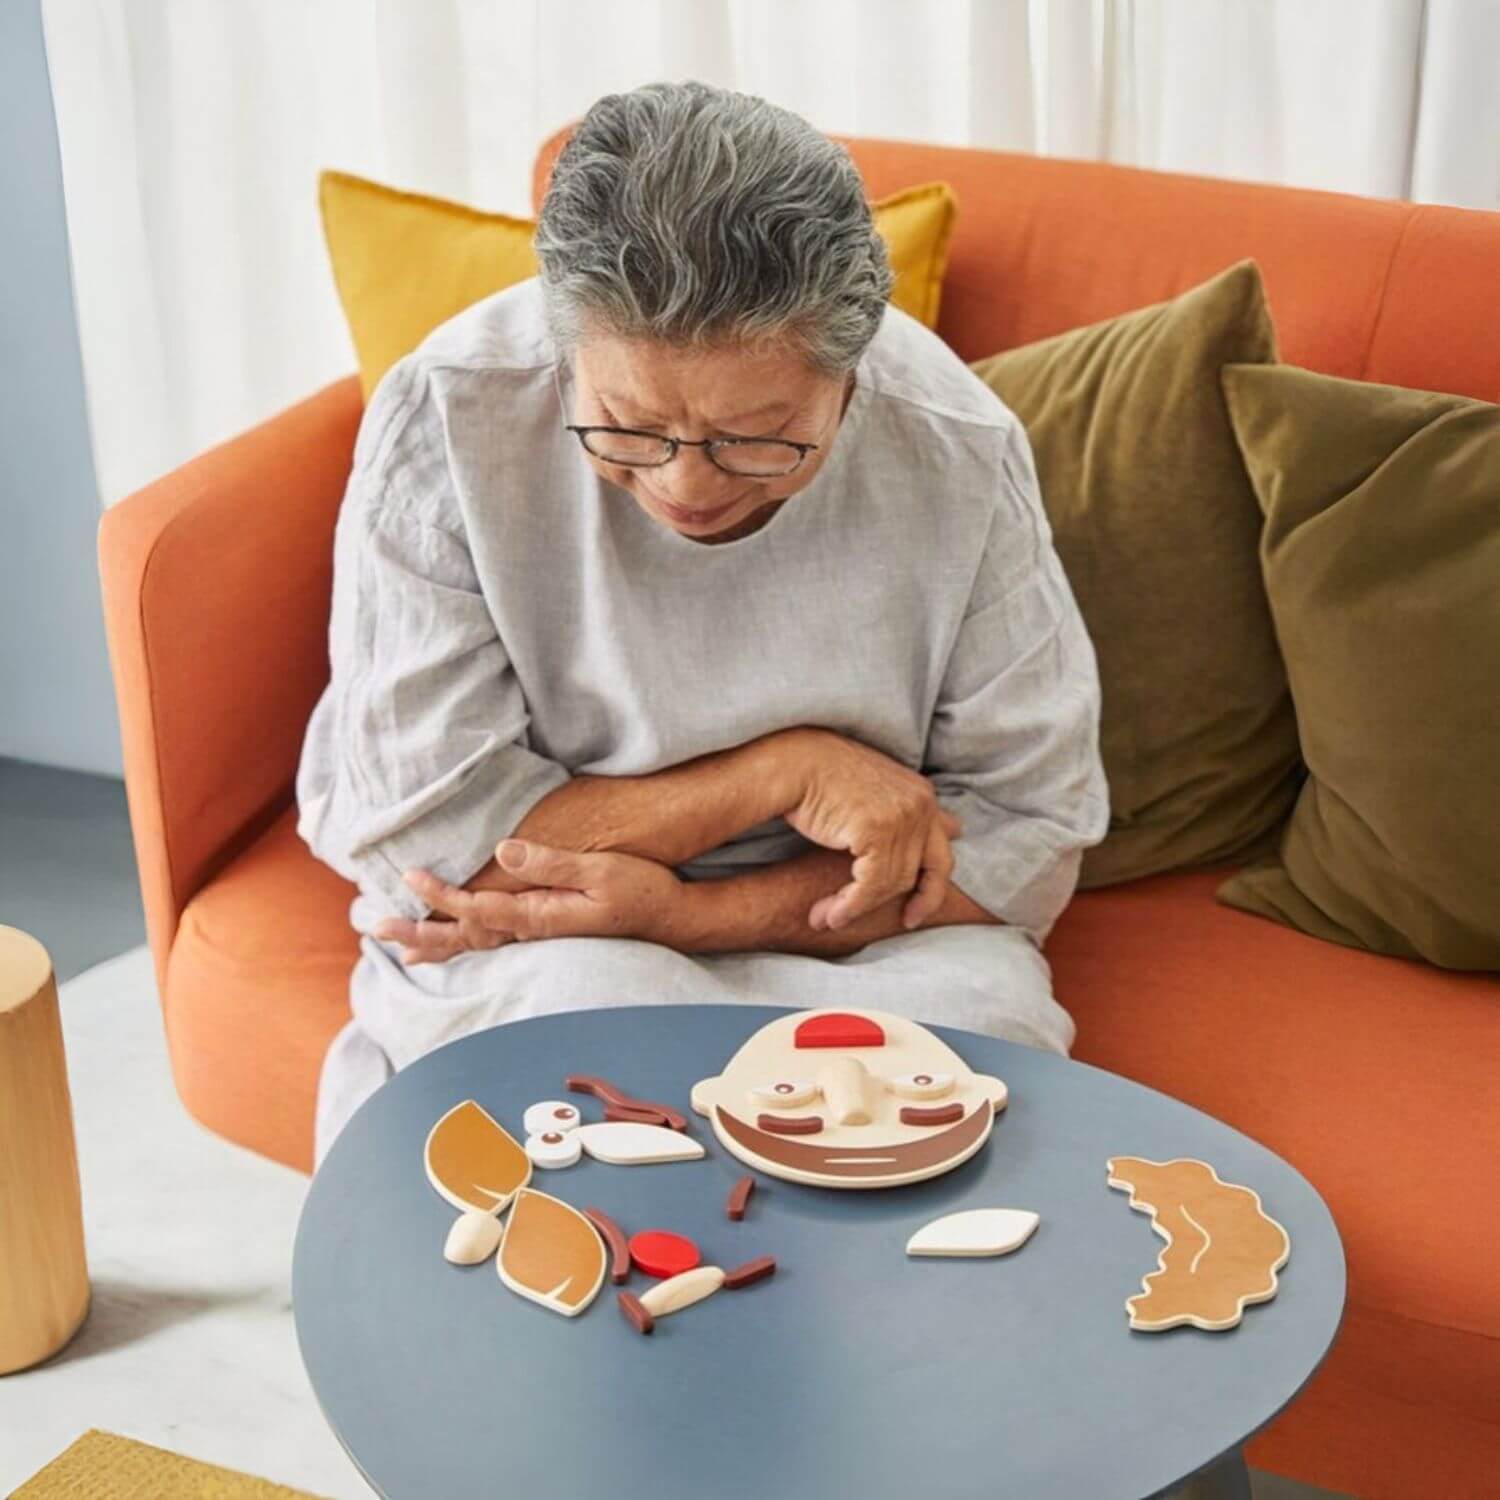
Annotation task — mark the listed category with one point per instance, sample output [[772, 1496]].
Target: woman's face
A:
[[706, 393]]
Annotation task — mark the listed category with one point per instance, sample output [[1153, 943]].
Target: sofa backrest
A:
[[1369, 288]]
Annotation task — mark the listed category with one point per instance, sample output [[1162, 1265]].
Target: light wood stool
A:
[[44, 1280]]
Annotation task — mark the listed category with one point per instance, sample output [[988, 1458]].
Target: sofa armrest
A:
[[216, 584]]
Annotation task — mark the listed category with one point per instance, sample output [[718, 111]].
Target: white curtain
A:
[[192, 132]]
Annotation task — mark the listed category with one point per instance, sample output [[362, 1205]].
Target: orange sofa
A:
[[1378, 1078]]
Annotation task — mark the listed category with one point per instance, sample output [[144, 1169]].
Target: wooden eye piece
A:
[[921, 1085], [784, 1093], [550, 1114]]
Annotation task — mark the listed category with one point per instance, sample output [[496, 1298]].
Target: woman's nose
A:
[[848, 1091], [691, 479]]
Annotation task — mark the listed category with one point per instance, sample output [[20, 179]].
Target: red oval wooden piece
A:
[[658, 1252], [839, 1029]]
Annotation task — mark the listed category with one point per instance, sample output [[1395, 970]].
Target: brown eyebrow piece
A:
[[602, 1088], [634, 1116], [739, 1196], [749, 1273], [614, 1237], [639, 1316], [942, 1114], [790, 1124]]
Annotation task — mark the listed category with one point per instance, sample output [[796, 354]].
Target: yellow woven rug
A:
[[103, 1466]]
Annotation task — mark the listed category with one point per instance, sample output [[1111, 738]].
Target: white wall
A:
[[57, 703]]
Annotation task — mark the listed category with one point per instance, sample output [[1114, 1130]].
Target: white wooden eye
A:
[[551, 1114], [921, 1085], [554, 1148], [785, 1093]]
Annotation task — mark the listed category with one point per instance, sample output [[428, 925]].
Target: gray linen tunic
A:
[[503, 618]]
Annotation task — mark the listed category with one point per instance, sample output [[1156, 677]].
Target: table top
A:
[[854, 1370]]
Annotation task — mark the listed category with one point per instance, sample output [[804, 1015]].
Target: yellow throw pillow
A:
[[916, 225], [406, 262]]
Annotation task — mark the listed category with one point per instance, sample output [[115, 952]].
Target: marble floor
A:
[[189, 1342]]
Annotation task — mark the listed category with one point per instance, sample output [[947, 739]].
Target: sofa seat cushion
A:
[[257, 986], [1375, 1077]]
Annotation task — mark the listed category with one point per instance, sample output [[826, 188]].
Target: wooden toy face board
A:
[[893, 1066]]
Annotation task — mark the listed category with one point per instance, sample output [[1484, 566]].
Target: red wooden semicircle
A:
[[839, 1029]]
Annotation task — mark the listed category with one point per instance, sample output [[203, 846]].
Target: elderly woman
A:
[[697, 630]]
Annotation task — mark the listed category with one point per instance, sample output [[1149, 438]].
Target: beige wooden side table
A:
[[44, 1282]]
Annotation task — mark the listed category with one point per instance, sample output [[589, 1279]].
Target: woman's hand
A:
[[886, 815], [572, 895]]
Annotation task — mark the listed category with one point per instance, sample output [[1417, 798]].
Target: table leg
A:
[[1228, 1479]]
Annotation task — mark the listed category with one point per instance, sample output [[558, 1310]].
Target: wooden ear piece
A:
[[551, 1254], [473, 1161]]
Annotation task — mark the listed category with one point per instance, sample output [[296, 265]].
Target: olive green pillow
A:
[[1158, 530], [1381, 554]]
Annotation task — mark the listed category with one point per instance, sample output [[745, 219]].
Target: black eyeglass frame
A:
[[711, 447]]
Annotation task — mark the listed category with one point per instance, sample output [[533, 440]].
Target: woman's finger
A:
[[481, 938], [546, 865], [427, 933], [435, 942], [541, 913], [924, 901], [932, 884], [453, 899]]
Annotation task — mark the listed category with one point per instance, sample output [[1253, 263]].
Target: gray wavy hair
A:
[[701, 216]]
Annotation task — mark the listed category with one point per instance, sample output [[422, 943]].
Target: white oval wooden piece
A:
[[978, 1231], [473, 1238], [682, 1290], [551, 1114], [624, 1143], [562, 1150]]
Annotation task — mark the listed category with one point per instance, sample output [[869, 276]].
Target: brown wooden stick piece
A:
[[739, 1196], [635, 1116], [614, 1237], [749, 1273], [630, 1305], [602, 1088]]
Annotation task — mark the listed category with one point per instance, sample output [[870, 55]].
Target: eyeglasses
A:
[[750, 458]]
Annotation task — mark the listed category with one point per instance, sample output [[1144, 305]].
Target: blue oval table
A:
[[855, 1370]]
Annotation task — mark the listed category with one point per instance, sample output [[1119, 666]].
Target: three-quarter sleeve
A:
[[416, 753], [1013, 747]]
